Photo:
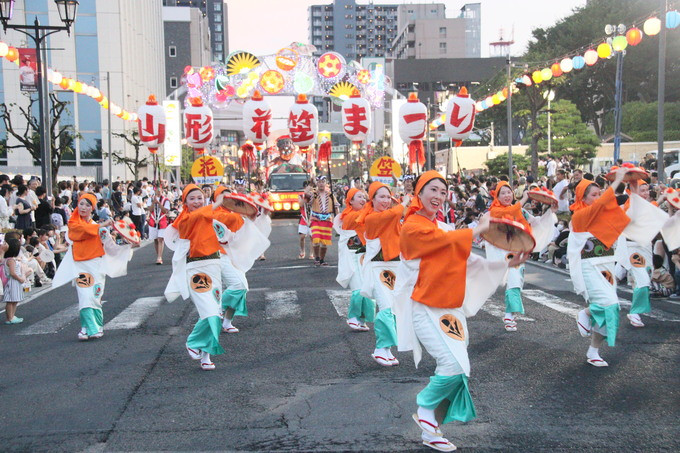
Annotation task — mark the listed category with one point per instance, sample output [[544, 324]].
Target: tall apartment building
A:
[[216, 12], [353, 30], [426, 33], [187, 42], [120, 39]]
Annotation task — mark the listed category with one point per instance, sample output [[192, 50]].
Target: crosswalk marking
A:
[[554, 302], [135, 314], [340, 300], [54, 323], [657, 314], [498, 311], [282, 304]]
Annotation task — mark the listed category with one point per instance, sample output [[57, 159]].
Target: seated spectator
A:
[[663, 282]]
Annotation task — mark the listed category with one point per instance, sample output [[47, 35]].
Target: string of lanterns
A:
[[66, 83]]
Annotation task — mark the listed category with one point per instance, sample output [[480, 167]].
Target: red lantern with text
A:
[[257, 118], [151, 124], [460, 117], [303, 123], [412, 128], [198, 125], [356, 118]]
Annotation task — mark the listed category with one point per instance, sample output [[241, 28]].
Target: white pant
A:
[[429, 337]]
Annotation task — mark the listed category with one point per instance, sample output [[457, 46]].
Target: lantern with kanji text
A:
[[303, 123], [151, 124], [356, 118], [257, 117], [460, 116], [412, 128], [198, 125]]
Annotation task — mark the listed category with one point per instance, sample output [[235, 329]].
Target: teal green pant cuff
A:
[[641, 302], [513, 301], [92, 320], [607, 317], [236, 300], [455, 390], [385, 329], [361, 307], [206, 336]]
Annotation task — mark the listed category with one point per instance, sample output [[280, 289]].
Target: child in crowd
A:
[[13, 290]]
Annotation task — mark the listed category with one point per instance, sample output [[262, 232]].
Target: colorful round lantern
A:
[[566, 65], [151, 124], [257, 117], [303, 122], [4, 48], [286, 59], [604, 50], [489, 101], [460, 116], [652, 26], [356, 118], [364, 76], [496, 99], [330, 65], [302, 83], [546, 74], [537, 77], [272, 81], [578, 62], [556, 70], [12, 54], [198, 125], [412, 128], [619, 43], [590, 57], [672, 19], [634, 36], [526, 80]]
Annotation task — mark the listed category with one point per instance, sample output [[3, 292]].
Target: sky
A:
[[263, 27]]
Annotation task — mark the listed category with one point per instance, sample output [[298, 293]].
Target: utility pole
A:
[[509, 114], [661, 94]]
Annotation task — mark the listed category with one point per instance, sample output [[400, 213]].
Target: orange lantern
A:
[[634, 36], [64, 83], [12, 54], [556, 70]]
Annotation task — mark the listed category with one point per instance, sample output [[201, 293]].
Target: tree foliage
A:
[[570, 136], [499, 164], [639, 120], [135, 162]]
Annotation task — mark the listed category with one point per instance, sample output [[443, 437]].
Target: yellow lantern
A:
[[652, 26], [590, 56], [78, 87], [546, 74], [604, 50], [537, 77], [619, 43], [496, 100]]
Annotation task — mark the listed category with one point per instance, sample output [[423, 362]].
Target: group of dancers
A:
[[414, 277]]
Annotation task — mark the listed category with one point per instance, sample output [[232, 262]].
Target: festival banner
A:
[[28, 70], [385, 169], [173, 134]]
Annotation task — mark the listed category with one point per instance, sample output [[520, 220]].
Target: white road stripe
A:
[[340, 300], [657, 314], [498, 311], [282, 304], [54, 323], [551, 301], [135, 314]]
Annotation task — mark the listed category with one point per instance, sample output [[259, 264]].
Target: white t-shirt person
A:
[[562, 202], [137, 205]]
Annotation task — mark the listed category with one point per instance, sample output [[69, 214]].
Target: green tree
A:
[[499, 164], [639, 120], [570, 136], [134, 162]]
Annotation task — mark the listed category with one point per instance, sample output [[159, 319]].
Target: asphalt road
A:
[[297, 379]]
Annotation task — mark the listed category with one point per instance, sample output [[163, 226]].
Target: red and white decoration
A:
[[356, 118], [198, 125], [412, 129], [460, 117], [303, 123], [257, 118], [151, 124]]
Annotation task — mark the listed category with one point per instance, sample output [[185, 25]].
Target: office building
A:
[[119, 39], [217, 14]]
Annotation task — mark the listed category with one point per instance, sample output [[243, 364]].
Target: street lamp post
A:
[[549, 95], [67, 13]]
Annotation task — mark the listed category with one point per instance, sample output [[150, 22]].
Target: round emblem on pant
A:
[[452, 327], [637, 260], [509, 256], [388, 278], [201, 283], [608, 276], [84, 280]]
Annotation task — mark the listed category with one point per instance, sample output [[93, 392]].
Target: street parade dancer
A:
[[439, 285], [382, 224], [597, 223], [158, 221], [541, 228], [92, 256], [351, 247], [242, 243], [304, 200], [196, 270], [323, 208]]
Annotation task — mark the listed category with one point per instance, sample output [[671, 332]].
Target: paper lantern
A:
[[619, 43], [556, 70], [331, 65], [303, 122], [302, 83], [604, 50], [590, 57], [634, 36], [272, 81], [151, 124], [478, 106], [578, 61], [546, 74], [12, 54], [460, 116], [257, 117], [4, 48], [526, 80], [198, 125], [652, 26], [566, 65], [672, 19], [356, 118], [287, 59], [537, 77], [412, 129]]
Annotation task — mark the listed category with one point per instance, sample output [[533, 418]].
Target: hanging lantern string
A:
[[66, 83]]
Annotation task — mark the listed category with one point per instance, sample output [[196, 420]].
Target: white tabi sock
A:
[[509, 316], [389, 353], [427, 415], [205, 357], [354, 320], [381, 352], [593, 353], [226, 324]]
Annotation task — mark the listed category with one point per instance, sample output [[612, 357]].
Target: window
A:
[[442, 47], [218, 36], [442, 32], [173, 82], [219, 47], [219, 56], [217, 6], [218, 18], [172, 51], [349, 36], [218, 27], [348, 26], [87, 54]]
